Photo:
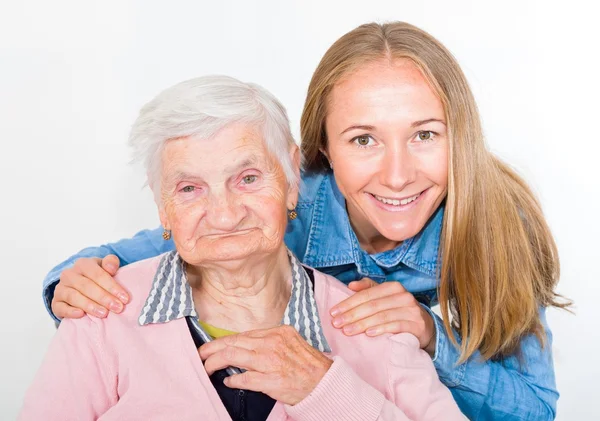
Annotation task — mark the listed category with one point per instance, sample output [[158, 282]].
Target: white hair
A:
[[203, 106]]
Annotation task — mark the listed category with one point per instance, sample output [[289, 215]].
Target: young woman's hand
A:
[[89, 287], [384, 308]]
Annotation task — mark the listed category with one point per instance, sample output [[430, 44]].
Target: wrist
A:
[[429, 345]]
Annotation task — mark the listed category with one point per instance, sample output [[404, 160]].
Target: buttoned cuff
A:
[[446, 354], [48, 295]]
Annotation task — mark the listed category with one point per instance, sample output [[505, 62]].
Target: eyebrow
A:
[[429, 120], [182, 175], [245, 163], [413, 124], [358, 127]]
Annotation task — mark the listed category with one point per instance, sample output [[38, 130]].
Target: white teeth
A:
[[396, 202]]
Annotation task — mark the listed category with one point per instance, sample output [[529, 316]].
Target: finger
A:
[[64, 311], [244, 340], [94, 292], [111, 264], [400, 326], [91, 269], [76, 299], [372, 307], [387, 288], [233, 356], [403, 314], [364, 283], [250, 380]]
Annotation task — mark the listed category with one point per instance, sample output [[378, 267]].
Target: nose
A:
[[398, 167], [225, 211]]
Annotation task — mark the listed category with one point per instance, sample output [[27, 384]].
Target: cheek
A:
[[434, 165], [352, 172], [270, 212], [183, 218]]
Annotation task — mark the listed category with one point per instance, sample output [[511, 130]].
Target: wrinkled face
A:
[[225, 198], [388, 143]]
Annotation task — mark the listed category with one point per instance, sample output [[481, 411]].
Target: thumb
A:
[[364, 283], [111, 264]]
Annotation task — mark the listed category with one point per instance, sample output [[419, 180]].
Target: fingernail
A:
[[116, 306], [111, 268], [100, 312], [349, 329], [337, 322], [372, 331], [123, 297], [335, 311]]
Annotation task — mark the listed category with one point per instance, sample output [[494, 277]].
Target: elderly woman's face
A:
[[224, 198]]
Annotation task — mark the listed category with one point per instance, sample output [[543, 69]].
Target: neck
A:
[[370, 240], [242, 296]]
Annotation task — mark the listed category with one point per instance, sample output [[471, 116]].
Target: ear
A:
[[162, 214], [164, 221], [324, 152], [292, 196]]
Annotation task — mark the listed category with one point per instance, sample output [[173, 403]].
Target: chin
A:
[[400, 233]]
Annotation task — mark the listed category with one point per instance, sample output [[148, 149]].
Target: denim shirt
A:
[[321, 237]]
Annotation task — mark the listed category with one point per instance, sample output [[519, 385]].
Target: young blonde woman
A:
[[399, 186]]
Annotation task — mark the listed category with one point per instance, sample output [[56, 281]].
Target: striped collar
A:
[[171, 298]]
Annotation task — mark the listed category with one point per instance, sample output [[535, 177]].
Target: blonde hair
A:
[[499, 262]]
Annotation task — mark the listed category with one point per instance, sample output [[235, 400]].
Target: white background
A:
[[73, 76]]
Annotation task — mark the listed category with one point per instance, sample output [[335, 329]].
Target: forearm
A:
[[511, 389], [342, 394]]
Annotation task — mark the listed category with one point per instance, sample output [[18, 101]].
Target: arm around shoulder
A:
[[143, 245]]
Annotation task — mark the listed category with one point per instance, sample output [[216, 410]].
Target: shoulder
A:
[[309, 186], [329, 291], [137, 279], [375, 359], [299, 229], [115, 331]]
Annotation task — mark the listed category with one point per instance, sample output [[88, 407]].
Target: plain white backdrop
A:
[[74, 74]]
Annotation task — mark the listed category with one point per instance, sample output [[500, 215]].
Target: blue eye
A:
[[425, 136], [249, 179], [363, 141]]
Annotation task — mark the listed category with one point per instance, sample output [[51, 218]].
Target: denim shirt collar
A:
[[332, 241]]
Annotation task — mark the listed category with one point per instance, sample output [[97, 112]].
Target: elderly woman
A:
[[224, 170]]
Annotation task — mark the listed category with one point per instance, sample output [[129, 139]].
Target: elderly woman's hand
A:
[[279, 362], [384, 308]]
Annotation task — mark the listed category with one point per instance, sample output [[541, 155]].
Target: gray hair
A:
[[202, 107]]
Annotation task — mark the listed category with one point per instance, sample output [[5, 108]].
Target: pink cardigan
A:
[[115, 369]]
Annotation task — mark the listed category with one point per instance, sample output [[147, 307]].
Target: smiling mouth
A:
[[397, 201]]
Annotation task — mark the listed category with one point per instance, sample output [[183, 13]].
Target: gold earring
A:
[[166, 234], [292, 214]]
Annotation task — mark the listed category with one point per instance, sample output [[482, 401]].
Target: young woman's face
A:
[[388, 144]]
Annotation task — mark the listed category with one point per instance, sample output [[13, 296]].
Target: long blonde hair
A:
[[499, 262]]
